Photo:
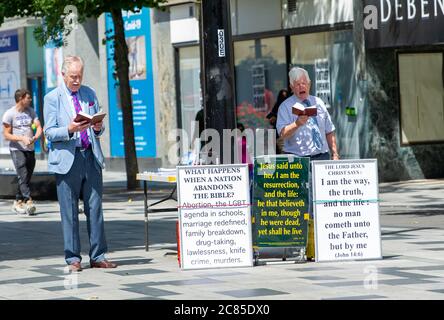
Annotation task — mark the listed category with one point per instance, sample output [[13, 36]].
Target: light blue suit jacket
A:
[[58, 115]]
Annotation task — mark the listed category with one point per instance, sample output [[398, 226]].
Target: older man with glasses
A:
[[76, 158]]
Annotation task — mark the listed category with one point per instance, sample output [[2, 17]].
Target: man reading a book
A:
[[76, 158], [306, 136]]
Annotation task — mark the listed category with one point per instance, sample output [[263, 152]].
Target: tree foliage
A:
[[54, 12], [56, 17]]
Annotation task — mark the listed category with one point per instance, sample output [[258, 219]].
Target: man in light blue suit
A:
[[76, 158]]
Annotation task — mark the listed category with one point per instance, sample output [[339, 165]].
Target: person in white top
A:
[[19, 123]]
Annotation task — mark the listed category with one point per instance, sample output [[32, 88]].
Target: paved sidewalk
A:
[[32, 265]]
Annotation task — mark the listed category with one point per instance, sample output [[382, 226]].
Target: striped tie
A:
[[83, 134]]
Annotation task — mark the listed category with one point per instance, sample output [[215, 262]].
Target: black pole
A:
[[217, 68], [145, 205]]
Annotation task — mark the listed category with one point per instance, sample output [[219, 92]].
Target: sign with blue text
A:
[[138, 38]]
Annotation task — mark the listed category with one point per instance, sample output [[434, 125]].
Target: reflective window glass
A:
[[190, 93], [261, 71]]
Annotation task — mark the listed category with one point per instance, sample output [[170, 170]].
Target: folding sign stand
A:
[[289, 255]]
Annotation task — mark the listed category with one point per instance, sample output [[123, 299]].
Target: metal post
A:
[[145, 202], [217, 67]]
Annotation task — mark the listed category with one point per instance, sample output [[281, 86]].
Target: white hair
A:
[[296, 73], [70, 60]]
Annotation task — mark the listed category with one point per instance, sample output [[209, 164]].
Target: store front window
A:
[[327, 57], [421, 86], [261, 71], [190, 93]]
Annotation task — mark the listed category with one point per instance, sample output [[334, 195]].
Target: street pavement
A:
[[32, 265]]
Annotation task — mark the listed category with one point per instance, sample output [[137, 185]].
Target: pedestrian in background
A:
[[19, 123], [76, 158], [272, 117]]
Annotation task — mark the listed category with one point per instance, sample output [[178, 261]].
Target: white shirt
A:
[[301, 142]]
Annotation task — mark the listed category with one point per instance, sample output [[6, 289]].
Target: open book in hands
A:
[[91, 118], [300, 110]]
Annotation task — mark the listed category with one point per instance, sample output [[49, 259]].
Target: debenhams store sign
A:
[[397, 23]]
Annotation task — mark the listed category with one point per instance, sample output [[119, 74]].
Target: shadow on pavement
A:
[[405, 231], [37, 239], [418, 212], [411, 186]]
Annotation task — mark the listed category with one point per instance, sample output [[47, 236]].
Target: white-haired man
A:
[[76, 158], [306, 136]]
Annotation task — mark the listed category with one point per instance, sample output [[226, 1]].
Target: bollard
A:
[[310, 250]]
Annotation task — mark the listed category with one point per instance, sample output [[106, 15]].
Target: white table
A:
[[165, 175]]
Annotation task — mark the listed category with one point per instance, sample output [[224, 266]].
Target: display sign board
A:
[[53, 66], [214, 216], [138, 39], [323, 89], [346, 210], [280, 201], [258, 82], [396, 23], [9, 75]]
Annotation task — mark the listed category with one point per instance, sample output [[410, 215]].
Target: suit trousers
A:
[[85, 176]]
